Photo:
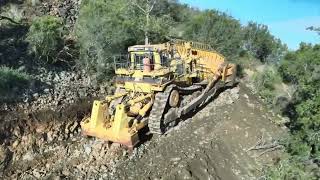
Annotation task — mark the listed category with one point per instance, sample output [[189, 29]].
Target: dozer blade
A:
[[117, 131]]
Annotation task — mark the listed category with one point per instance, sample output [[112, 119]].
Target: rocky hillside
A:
[[56, 90], [50, 87], [25, 11], [215, 143]]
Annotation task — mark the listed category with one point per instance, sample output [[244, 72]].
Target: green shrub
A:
[[264, 83], [45, 37], [289, 168], [259, 42], [102, 31], [220, 31], [12, 82], [301, 68]]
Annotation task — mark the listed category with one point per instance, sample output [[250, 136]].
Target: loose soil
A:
[[212, 144]]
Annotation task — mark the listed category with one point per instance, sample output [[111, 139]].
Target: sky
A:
[[286, 19]]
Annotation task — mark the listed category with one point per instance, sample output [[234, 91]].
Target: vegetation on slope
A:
[[106, 28], [12, 83], [302, 69], [45, 38]]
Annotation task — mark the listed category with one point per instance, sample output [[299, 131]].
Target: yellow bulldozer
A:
[[156, 85]]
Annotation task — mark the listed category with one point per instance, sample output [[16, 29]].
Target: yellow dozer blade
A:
[[114, 129]]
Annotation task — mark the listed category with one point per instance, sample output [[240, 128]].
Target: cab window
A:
[[138, 60]]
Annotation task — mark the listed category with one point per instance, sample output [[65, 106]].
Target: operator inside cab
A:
[[147, 64]]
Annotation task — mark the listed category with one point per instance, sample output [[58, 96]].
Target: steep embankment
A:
[[213, 143]]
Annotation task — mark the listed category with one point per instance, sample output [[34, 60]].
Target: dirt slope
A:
[[210, 145]]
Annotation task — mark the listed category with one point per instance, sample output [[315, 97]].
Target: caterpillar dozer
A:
[[156, 85]]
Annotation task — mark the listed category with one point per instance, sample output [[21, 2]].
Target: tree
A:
[[260, 43], [149, 5], [302, 68], [217, 29], [104, 28], [152, 18], [312, 28]]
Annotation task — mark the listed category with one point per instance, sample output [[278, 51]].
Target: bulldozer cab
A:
[[145, 59], [146, 68]]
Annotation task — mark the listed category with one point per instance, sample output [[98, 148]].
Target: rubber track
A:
[[155, 122]]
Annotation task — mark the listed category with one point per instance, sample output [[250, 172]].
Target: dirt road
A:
[[212, 144]]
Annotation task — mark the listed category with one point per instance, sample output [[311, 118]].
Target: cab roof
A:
[[156, 47]]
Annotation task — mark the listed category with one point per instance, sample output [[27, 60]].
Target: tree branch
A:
[[134, 3], [8, 19], [151, 8], [270, 149], [148, 10], [262, 145]]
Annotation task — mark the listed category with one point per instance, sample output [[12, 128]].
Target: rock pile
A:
[[57, 90], [47, 147], [67, 10], [228, 96], [65, 88]]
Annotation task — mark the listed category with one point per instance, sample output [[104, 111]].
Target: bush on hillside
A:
[[302, 69], [288, 169], [12, 82], [45, 38], [265, 83], [102, 31], [217, 29], [259, 42]]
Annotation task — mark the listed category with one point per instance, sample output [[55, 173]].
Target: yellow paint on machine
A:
[[100, 125], [119, 118]]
